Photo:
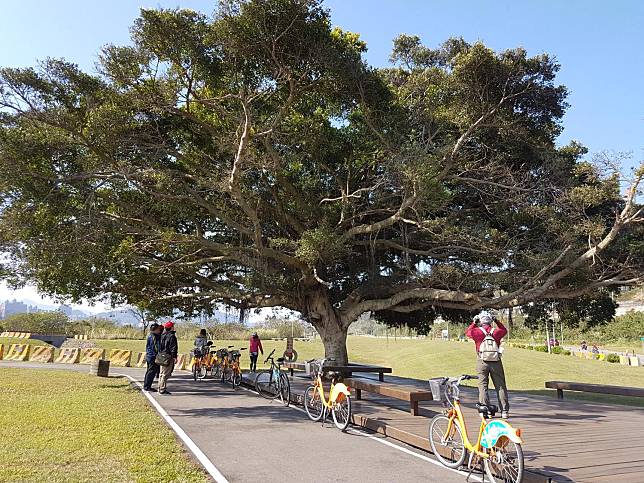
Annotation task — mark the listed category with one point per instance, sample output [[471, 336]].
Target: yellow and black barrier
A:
[[89, 356], [68, 356], [41, 353], [18, 352], [141, 361], [16, 335], [80, 337], [120, 358], [1, 351], [181, 362]]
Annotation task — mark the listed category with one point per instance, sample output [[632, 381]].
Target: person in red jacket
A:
[[478, 331], [255, 345]]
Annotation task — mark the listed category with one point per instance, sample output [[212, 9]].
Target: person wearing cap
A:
[[152, 347], [481, 328], [170, 345], [255, 346]]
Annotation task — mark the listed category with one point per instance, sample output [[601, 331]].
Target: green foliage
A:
[[612, 358], [41, 322], [560, 350], [629, 326], [541, 348]]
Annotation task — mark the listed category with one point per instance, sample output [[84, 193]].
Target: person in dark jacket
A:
[[170, 345], [152, 347]]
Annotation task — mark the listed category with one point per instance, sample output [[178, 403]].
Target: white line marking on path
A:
[[203, 459], [381, 440]]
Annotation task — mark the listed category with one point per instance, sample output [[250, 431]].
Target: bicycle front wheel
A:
[[236, 379], [313, 403], [265, 385], [285, 389], [194, 371], [341, 412], [505, 463], [448, 447]]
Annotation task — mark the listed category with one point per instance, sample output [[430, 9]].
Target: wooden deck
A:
[[564, 440]]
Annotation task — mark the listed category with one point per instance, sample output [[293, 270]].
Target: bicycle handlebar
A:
[[270, 356]]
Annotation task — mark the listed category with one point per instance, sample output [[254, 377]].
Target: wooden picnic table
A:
[[345, 370]]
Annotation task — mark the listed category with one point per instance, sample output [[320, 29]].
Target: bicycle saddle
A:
[[280, 359], [487, 411]]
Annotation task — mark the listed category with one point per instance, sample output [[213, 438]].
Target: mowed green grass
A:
[[66, 426]]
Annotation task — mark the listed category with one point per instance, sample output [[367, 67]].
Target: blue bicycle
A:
[[273, 383]]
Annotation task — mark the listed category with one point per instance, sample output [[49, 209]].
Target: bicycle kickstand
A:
[[324, 416], [471, 467]]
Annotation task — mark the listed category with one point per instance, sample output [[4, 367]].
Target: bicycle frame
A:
[[490, 432], [334, 393]]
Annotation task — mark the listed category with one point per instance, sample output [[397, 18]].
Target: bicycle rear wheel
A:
[[341, 412], [505, 463], [448, 448], [285, 389], [202, 371], [313, 403], [194, 371], [265, 385], [216, 371]]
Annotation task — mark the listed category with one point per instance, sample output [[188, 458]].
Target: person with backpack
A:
[[167, 357], [487, 340]]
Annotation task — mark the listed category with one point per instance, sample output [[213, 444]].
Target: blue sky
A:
[[600, 45]]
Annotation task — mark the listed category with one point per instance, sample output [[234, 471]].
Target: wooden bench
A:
[[396, 391], [560, 386], [346, 371]]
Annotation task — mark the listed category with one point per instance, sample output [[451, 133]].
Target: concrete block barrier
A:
[[624, 360], [41, 353], [18, 352], [89, 356], [68, 356], [181, 362], [634, 360], [121, 358], [141, 360]]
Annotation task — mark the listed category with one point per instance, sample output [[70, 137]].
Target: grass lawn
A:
[[66, 426]]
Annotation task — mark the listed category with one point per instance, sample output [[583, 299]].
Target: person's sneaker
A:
[[505, 415], [151, 390], [165, 392]]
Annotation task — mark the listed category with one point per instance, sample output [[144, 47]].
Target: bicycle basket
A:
[[311, 368], [436, 385]]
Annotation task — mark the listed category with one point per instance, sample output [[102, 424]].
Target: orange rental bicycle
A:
[[498, 444], [200, 361], [339, 402]]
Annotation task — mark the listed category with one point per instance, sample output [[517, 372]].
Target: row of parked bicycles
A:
[[497, 447], [222, 364]]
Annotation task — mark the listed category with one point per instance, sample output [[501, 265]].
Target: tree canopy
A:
[[255, 159]]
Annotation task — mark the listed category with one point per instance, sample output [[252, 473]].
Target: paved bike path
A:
[[249, 438]]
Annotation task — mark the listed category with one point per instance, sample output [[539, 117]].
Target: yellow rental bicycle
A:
[[498, 444], [339, 402]]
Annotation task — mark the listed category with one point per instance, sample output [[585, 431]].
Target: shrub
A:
[[541, 348], [560, 350], [612, 358]]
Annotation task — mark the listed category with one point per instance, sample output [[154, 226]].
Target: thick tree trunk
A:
[[327, 322]]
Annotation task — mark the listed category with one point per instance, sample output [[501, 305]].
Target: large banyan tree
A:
[[254, 159]]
